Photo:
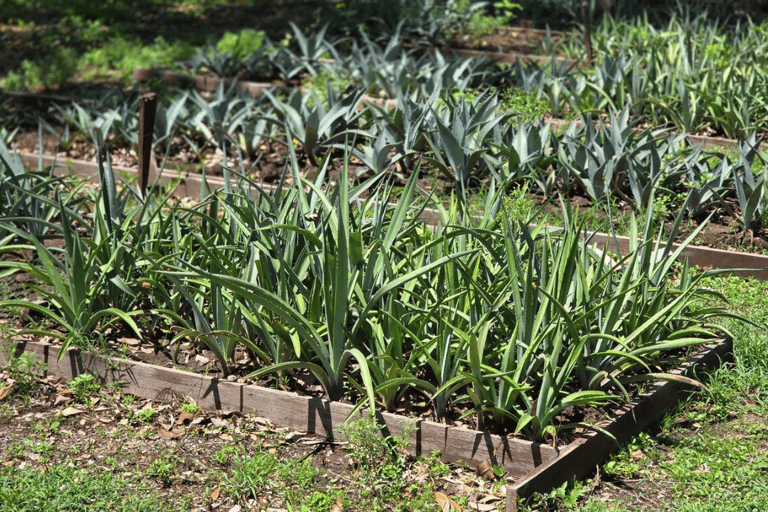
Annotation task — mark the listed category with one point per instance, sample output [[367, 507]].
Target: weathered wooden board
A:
[[304, 413], [200, 82], [502, 57], [580, 457], [704, 257]]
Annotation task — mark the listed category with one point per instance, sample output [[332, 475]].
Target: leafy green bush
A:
[[241, 44], [52, 72], [122, 55]]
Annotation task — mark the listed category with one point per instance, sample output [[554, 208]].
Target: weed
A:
[[162, 470], [565, 497], [24, 370], [526, 106], [190, 407], [226, 454], [84, 387], [54, 71], [146, 415], [380, 460], [250, 475]]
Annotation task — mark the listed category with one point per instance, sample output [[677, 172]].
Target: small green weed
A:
[[526, 106], [162, 470], [24, 370], [146, 415], [190, 407], [84, 387], [240, 45], [250, 475], [373, 453], [227, 454]]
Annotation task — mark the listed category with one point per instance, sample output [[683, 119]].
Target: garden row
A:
[[692, 74], [455, 139]]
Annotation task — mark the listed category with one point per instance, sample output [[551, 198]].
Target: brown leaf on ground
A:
[[337, 506], [445, 503], [4, 392], [185, 418], [166, 434]]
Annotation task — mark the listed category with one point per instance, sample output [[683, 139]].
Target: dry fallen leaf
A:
[[337, 506], [185, 418], [220, 423], [166, 434], [445, 503], [71, 411], [5, 392], [482, 507]]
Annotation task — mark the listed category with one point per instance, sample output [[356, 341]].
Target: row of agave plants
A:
[[507, 322], [693, 73], [465, 140]]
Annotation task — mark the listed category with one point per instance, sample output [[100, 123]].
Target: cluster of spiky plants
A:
[[511, 322]]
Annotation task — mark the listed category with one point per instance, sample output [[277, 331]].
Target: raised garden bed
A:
[[190, 185], [535, 467], [207, 83]]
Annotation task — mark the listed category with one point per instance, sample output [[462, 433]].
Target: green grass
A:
[[65, 487]]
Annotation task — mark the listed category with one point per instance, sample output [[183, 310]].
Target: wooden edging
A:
[[201, 82], [308, 414], [536, 467], [746, 264], [190, 185], [580, 457], [694, 140], [503, 57]]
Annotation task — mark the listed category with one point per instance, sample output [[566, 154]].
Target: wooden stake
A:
[[587, 33], [147, 109]]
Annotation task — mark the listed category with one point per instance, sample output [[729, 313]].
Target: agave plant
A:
[[309, 122], [462, 133]]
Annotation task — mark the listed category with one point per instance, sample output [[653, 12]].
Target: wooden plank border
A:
[[756, 265], [537, 467], [308, 414], [580, 457], [205, 83]]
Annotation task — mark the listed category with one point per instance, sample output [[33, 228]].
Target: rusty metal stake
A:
[[147, 109]]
